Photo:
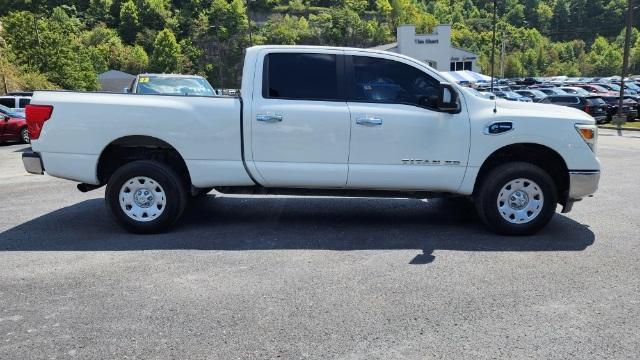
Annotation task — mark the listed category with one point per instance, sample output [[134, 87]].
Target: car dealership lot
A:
[[293, 277]]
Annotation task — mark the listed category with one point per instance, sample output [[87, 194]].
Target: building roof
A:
[[386, 47], [115, 74]]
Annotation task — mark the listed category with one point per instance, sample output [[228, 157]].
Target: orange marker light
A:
[[587, 134]]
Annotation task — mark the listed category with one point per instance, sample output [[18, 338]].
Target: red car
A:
[[13, 126]]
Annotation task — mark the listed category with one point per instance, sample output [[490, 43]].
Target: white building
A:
[[435, 49]]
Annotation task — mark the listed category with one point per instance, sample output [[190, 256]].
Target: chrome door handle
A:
[[269, 117], [369, 121]]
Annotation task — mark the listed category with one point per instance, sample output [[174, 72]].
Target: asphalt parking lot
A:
[[291, 278]]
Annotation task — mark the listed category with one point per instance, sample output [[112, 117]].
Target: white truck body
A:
[[258, 141]]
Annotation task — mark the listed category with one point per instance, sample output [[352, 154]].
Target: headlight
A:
[[589, 134]]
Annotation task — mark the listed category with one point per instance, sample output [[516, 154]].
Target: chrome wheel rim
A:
[[142, 199], [520, 201]]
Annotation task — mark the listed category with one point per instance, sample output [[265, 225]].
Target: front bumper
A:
[[581, 185], [32, 163]]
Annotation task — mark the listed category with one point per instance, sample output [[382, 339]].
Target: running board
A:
[[261, 190]]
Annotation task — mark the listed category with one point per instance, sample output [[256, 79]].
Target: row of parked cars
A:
[[598, 98]]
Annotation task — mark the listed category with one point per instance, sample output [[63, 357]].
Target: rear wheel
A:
[[146, 196], [516, 198]]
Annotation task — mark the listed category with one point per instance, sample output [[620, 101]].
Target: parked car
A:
[[629, 107], [13, 101], [171, 84], [594, 89], [302, 127], [615, 87], [13, 126], [534, 95], [592, 105]]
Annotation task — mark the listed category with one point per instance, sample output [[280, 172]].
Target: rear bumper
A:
[[33, 163]]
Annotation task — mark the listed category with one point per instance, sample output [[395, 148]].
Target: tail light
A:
[[36, 116], [587, 109]]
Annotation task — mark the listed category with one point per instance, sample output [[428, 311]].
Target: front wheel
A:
[[146, 196], [516, 198]]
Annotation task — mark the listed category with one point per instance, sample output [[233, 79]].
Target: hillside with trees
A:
[[65, 44]]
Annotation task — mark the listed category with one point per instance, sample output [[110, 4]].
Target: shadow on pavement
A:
[[230, 223]]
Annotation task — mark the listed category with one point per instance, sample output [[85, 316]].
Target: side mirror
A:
[[4, 117], [447, 98], [126, 90]]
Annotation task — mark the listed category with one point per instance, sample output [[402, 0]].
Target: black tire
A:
[[488, 192], [24, 135], [174, 195]]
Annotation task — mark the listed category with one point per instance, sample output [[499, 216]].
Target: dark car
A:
[[629, 107], [533, 94], [13, 126], [528, 81], [592, 105]]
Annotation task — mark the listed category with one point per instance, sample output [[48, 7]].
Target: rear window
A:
[[565, 100], [8, 102], [301, 76], [596, 101]]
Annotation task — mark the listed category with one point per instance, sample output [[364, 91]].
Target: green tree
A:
[[54, 50], [166, 57], [129, 25]]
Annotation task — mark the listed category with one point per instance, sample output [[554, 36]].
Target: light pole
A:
[[493, 43], [625, 58], [249, 19]]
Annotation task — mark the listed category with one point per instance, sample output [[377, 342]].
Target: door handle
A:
[[369, 121], [269, 117]]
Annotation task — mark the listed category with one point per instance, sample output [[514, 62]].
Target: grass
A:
[[634, 124]]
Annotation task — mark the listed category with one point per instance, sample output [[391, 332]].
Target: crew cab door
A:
[[300, 119], [399, 139]]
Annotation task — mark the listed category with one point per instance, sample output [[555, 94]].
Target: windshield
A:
[[512, 94], [632, 86], [8, 111], [174, 86], [538, 93]]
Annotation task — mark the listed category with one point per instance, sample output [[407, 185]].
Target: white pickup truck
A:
[[319, 121]]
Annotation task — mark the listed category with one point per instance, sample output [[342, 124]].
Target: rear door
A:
[[399, 140], [300, 119]]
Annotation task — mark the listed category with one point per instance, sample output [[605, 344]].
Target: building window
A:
[[461, 65]]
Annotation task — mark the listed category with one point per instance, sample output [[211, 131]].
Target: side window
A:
[[388, 81], [24, 102], [8, 102], [301, 76]]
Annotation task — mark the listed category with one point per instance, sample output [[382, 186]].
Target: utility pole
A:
[[502, 56], [493, 43], [625, 58]]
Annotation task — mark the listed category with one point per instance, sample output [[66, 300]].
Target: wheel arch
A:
[[537, 154], [129, 148]]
